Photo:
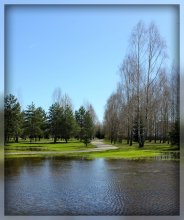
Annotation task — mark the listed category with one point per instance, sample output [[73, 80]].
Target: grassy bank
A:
[[46, 145], [150, 150], [73, 149]]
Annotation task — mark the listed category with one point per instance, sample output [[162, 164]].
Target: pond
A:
[[56, 186]]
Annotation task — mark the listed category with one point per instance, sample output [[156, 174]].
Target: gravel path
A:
[[100, 146]]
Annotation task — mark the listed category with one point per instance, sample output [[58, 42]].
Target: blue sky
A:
[[76, 48]]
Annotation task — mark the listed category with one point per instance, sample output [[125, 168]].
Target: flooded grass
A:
[[46, 146], [73, 149]]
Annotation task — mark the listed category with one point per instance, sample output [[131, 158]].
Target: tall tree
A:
[[155, 57], [41, 117], [68, 123], [85, 123], [34, 119], [88, 128], [94, 117], [146, 104], [127, 86], [13, 119], [111, 117], [55, 120], [61, 117], [79, 116], [175, 119], [137, 50]]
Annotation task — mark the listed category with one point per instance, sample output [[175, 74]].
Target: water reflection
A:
[[57, 186], [168, 155]]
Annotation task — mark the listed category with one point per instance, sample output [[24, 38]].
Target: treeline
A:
[[145, 105], [60, 122]]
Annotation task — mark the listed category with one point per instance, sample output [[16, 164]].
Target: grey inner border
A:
[[106, 217]]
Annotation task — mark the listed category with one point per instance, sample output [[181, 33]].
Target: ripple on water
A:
[[97, 187]]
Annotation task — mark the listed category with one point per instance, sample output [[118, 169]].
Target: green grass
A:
[[148, 146], [46, 145], [125, 151], [62, 149], [133, 154], [150, 151]]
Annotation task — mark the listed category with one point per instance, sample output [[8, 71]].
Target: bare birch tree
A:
[[147, 107], [111, 120]]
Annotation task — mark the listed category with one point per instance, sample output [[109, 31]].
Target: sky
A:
[[78, 49]]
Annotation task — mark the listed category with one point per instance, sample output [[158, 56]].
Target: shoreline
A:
[[97, 149]]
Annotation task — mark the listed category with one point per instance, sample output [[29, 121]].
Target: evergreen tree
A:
[[13, 119], [88, 128], [68, 123], [34, 119], [41, 121], [79, 116], [55, 120]]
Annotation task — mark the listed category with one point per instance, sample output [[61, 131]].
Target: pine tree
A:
[[55, 120], [88, 128], [79, 116], [34, 119], [68, 123], [13, 118]]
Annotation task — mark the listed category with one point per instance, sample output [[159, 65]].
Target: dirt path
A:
[[100, 146]]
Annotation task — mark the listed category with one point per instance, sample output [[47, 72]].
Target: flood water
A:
[[56, 186]]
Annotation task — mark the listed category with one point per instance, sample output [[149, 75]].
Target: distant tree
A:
[[139, 103], [136, 133], [66, 101], [175, 88], [85, 123], [34, 119], [175, 134], [46, 128], [13, 119], [88, 128], [55, 120], [61, 118], [79, 116], [68, 123], [94, 117], [40, 115], [111, 118], [57, 96], [99, 131], [175, 128]]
